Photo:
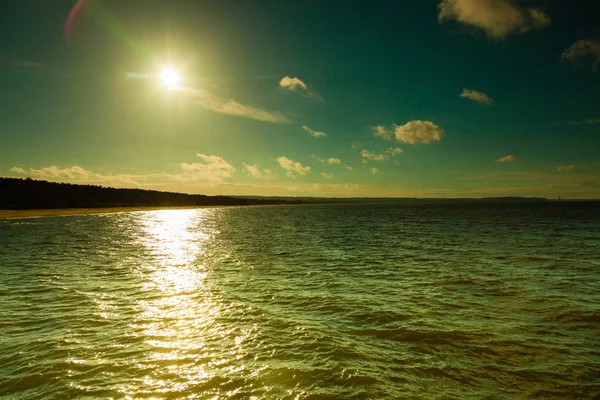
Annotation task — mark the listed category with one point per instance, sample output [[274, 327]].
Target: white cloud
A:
[[349, 168], [231, 107], [565, 168], [356, 145], [326, 175], [374, 170], [213, 168], [253, 170], [393, 151], [313, 132], [418, 131], [498, 18], [296, 85], [292, 166], [292, 83], [257, 172], [476, 96], [582, 50], [18, 170], [382, 132], [508, 158], [367, 155]]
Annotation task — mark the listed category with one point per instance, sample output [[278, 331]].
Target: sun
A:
[[170, 78]]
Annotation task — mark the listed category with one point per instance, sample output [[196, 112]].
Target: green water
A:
[[303, 302]]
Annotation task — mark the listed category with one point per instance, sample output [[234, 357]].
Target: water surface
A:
[[307, 302]]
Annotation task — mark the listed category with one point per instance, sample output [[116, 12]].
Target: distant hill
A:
[[404, 200], [21, 194]]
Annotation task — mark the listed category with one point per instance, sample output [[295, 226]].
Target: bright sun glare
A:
[[170, 78]]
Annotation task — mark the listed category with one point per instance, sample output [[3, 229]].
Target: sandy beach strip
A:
[[5, 214]]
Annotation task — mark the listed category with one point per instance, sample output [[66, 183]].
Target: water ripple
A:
[[303, 302]]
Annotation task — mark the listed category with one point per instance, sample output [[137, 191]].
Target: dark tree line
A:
[[20, 194]]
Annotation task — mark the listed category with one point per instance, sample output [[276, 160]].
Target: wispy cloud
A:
[[296, 85], [231, 107], [292, 166], [212, 168], [373, 170], [369, 156], [393, 151], [327, 175], [585, 49], [508, 158], [27, 64], [476, 96], [331, 160], [565, 168], [257, 172], [497, 18], [589, 121], [313, 132], [382, 132]]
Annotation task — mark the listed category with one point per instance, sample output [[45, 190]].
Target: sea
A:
[[422, 301]]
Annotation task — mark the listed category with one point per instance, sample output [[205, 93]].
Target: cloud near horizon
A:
[[56, 173], [257, 172], [583, 50], [18, 170], [497, 18], [79, 175], [313, 132], [292, 166], [213, 168], [214, 103], [477, 96], [589, 121], [508, 158], [565, 168]]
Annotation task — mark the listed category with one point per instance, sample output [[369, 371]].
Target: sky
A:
[[419, 98]]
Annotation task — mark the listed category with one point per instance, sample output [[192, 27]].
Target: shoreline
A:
[[60, 212]]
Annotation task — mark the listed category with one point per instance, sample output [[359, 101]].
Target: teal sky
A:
[[452, 98]]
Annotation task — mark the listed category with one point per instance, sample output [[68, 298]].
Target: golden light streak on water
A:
[[176, 322]]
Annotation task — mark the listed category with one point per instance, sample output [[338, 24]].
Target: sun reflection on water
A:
[[178, 310]]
